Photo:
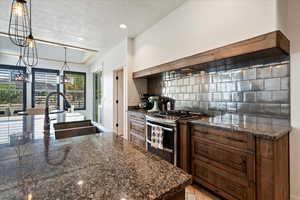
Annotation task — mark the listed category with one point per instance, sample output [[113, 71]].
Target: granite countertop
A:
[[100, 166], [263, 126]]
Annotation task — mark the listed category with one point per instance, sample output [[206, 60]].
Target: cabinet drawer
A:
[[231, 138], [137, 116], [223, 183], [136, 127], [137, 140], [236, 162]]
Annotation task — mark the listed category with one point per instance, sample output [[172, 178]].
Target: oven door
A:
[[169, 152]]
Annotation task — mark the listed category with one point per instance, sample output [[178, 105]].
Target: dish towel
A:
[[157, 137]]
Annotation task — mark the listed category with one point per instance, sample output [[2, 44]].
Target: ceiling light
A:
[[123, 26], [80, 38], [30, 56], [63, 78], [80, 182], [19, 26]]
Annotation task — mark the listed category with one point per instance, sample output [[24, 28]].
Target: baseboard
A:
[[294, 197]]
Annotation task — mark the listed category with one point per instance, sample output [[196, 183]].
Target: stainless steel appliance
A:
[[168, 121]]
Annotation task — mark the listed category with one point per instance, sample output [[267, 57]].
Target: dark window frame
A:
[[80, 73], [33, 82], [24, 83]]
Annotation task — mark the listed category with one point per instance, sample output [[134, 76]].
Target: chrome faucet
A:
[[47, 118]]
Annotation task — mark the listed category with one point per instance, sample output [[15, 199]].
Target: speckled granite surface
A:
[[99, 166], [268, 127]]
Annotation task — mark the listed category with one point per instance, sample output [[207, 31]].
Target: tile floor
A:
[[194, 192]]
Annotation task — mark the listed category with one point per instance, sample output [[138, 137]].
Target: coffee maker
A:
[[155, 101]]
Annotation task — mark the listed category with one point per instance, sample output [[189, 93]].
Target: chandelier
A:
[[30, 55], [64, 79], [18, 29], [21, 75]]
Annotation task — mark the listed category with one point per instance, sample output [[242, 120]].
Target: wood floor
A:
[[194, 192]]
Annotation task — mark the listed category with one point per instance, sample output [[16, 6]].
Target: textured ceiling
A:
[[91, 23]]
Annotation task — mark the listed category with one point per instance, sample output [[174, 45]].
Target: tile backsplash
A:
[[258, 89]]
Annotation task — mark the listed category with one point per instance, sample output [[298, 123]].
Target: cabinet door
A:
[[223, 183], [236, 162]]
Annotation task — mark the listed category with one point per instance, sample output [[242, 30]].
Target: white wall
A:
[[293, 27], [200, 25], [114, 59], [12, 60]]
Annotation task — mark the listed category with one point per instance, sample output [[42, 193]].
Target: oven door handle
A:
[[168, 129]]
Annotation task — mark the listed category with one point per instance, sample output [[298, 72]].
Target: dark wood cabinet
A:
[[240, 166], [136, 128]]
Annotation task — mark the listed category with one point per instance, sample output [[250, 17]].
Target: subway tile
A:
[[264, 96], [193, 97], [280, 70], [189, 89], [237, 75], [212, 88], [249, 74], [217, 97], [186, 81], [177, 89], [231, 87], [272, 84], [186, 97], [232, 107], [249, 97], [280, 97], [285, 109], [257, 84], [225, 76], [256, 108], [203, 105], [227, 97], [180, 82], [221, 106], [195, 104], [205, 88], [221, 87], [196, 89], [183, 89], [272, 108], [243, 107], [285, 83], [264, 72], [192, 80], [212, 106], [180, 97], [237, 96], [243, 86]]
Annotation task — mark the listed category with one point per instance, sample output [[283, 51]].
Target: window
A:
[[12, 92], [76, 90], [44, 81]]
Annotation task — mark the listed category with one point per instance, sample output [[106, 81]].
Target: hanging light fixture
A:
[[19, 23], [30, 55], [21, 75], [64, 79]]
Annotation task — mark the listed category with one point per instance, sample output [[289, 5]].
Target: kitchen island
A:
[[100, 166]]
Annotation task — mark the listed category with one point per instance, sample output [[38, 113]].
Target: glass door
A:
[[97, 97]]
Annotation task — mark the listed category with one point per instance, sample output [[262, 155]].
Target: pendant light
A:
[[19, 23], [30, 55], [64, 79], [21, 75]]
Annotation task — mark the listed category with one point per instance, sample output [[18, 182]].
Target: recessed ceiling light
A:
[[80, 38], [123, 26]]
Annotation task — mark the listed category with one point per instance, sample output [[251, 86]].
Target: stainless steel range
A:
[[168, 122]]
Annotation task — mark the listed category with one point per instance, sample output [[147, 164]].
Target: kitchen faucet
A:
[[47, 118]]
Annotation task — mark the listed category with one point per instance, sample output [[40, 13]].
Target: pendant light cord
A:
[[65, 54], [30, 20]]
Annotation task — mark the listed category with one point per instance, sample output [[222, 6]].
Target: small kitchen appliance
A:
[[154, 100]]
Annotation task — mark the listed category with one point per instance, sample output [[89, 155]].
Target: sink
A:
[[73, 129]]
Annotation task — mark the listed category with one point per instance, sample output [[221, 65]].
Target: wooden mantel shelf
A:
[[270, 41]]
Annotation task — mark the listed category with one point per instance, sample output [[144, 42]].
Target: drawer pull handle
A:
[[235, 139]]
